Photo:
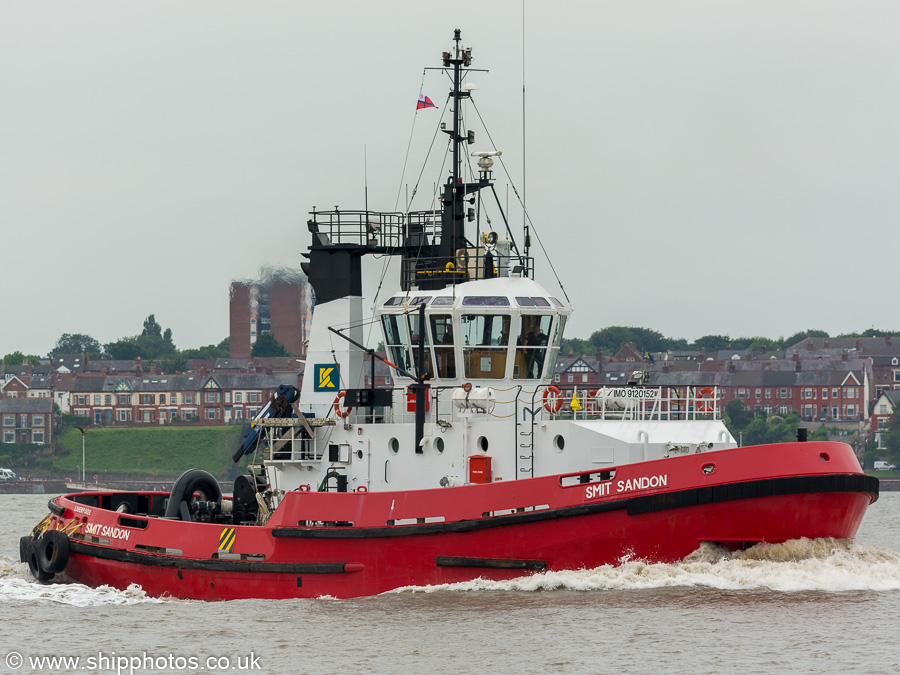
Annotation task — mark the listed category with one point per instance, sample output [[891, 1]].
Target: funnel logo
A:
[[327, 377]]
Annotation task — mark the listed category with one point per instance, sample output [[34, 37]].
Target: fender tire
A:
[[52, 551], [23, 548], [34, 566]]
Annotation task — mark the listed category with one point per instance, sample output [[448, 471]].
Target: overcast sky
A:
[[692, 167]]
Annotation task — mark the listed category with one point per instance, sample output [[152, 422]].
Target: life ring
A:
[[53, 551], [591, 402], [304, 487], [705, 400], [554, 403], [362, 488], [341, 412]]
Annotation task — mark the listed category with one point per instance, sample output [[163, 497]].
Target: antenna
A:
[[527, 241], [366, 178]]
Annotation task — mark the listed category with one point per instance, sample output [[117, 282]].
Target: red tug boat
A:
[[479, 468]]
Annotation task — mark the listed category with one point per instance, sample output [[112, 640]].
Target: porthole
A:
[[825, 457], [359, 454], [483, 443], [709, 468], [394, 445], [439, 444], [559, 443]]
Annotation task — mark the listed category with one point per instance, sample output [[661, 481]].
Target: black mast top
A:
[[432, 258]]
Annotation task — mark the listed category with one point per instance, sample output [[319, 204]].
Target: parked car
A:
[[884, 466], [7, 474]]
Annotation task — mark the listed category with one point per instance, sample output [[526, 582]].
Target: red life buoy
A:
[[341, 412], [552, 399], [705, 400], [362, 488]]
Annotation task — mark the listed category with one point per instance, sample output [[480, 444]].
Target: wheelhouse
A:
[[492, 329]]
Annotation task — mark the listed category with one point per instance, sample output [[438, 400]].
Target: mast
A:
[[453, 235]]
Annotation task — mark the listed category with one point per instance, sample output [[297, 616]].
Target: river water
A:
[[823, 606]]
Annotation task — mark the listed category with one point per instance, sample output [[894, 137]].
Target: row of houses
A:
[[220, 391], [835, 381]]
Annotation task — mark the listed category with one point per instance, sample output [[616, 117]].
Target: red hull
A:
[[658, 511]]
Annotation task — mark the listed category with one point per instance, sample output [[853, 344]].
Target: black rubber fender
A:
[[34, 566], [52, 550], [23, 548], [191, 481]]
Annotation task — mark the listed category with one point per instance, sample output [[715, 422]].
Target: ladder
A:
[[525, 442]]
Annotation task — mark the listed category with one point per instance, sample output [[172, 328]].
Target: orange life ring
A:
[[341, 412], [553, 404], [705, 400]]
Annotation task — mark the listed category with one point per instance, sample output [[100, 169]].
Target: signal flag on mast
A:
[[424, 102]]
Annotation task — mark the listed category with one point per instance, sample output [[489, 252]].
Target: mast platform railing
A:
[[372, 229]]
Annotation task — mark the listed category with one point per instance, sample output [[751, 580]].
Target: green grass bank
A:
[[158, 451]]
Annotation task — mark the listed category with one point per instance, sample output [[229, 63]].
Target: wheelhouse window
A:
[[415, 332], [531, 349], [396, 338], [558, 330], [401, 339], [442, 337], [485, 339]]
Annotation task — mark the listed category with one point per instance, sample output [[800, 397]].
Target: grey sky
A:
[[693, 167]]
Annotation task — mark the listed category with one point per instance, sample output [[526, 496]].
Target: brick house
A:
[[26, 420], [578, 371], [14, 387], [885, 356], [884, 407]]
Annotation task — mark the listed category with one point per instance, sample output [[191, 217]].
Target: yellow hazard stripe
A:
[[226, 539]]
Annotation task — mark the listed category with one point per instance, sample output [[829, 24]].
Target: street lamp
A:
[[83, 433]]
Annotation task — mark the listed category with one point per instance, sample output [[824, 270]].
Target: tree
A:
[[712, 343], [891, 438], [761, 343], [611, 338], [208, 352], [267, 345], [76, 343], [126, 349], [737, 416], [152, 343], [576, 347], [151, 327], [17, 358], [774, 429], [803, 335]]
